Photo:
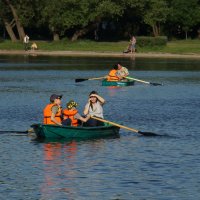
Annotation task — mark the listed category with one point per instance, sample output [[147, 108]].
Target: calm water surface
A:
[[129, 167]]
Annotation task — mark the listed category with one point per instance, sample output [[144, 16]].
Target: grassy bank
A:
[[176, 47]]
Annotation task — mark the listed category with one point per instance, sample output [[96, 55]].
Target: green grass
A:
[[176, 47]]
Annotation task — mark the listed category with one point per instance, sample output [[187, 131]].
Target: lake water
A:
[[129, 167]]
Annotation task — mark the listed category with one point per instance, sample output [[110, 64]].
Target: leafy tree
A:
[[7, 20], [185, 14], [131, 22], [156, 13], [15, 15], [83, 15], [93, 12]]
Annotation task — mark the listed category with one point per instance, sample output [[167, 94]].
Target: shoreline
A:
[[99, 54]]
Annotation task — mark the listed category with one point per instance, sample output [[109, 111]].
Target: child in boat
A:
[[112, 76], [70, 114]]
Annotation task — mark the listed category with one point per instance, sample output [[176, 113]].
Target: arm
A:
[[84, 119], [53, 114], [125, 72], [118, 74], [86, 109], [101, 99], [54, 120]]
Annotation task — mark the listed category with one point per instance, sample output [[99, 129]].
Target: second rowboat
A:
[[118, 83]]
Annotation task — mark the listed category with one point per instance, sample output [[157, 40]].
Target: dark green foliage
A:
[[143, 41], [86, 19]]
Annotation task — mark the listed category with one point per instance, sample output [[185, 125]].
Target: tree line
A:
[[98, 19]]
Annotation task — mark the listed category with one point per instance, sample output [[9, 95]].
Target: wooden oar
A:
[[88, 79], [135, 79], [18, 132], [125, 127]]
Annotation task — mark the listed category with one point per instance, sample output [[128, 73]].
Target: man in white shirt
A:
[[26, 42]]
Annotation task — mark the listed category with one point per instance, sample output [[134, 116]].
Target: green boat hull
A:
[[70, 132], [117, 83]]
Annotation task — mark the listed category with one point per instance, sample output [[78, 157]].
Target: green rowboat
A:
[[118, 83], [71, 132]]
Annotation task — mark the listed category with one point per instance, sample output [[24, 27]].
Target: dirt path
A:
[[98, 54]]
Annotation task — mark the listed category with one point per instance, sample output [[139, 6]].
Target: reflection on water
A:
[[62, 167], [29, 62], [129, 167], [59, 165]]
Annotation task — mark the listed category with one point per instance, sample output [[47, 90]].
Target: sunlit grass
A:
[[176, 47]]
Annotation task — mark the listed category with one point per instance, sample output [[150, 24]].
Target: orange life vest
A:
[[112, 75], [70, 114], [47, 114]]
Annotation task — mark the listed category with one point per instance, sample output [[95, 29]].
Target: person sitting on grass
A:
[[70, 114], [34, 46]]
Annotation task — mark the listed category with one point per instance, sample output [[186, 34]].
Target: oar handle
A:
[[97, 78], [130, 78], [135, 79], [115, 124], [125, 127]]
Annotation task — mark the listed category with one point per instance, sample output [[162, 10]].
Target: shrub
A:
[[143, 41]]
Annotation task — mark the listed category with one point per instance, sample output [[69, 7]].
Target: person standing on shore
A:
[[131, 47], [133, 43], [26, 42]]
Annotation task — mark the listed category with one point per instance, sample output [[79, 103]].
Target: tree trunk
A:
[[56, 37], [20, 28], [186, 35], [78, 34], [83, 31], [155, 30], [10, 31]]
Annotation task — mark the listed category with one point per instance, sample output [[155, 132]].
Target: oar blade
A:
[[155, 84], [147, 133], [80, 80], [17, 132]]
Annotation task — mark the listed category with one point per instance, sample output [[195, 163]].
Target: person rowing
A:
[[122, 72]]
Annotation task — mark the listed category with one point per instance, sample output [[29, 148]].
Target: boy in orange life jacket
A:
[[52, 111], [71, 117], [112, 76]]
